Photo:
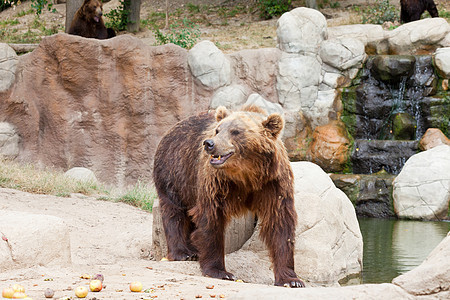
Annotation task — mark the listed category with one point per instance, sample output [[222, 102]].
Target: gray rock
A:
[[414, 37], [442, 61], [269, 107], [8, 66], [343, 53], [319, 113], [422, 189], [81, 174], [232, 97], [209, 65], [298, 81], [372, 36], [33, 240], [9, 140], [301, 30]]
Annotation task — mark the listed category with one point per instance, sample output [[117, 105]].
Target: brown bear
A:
[[211, 167], [88, 21], [412, 10]]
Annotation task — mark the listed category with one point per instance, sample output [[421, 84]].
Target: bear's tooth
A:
[[219, 157]]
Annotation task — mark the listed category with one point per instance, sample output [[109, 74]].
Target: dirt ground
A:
[[112, 239], [230, 29]]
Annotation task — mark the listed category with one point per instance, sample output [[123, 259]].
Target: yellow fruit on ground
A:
[[81, 291], [95, 285], [8, 292], [136, 286]]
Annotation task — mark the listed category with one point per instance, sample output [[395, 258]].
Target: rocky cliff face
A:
[[100, 104]]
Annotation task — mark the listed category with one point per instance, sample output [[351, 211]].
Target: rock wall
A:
[[104, 105]]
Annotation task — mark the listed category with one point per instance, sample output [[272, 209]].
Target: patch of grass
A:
[[31, 179], [9, 22], [25, 12], [140, 195]]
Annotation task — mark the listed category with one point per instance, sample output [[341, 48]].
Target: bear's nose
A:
[[209, 145]]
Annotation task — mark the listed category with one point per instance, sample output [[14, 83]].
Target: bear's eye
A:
[[217, 131], [235, 132]]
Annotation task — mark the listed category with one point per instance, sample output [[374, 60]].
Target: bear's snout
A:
[[209, 145]]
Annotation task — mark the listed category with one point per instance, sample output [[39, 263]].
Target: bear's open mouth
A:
[[97, 19], [219, 159]]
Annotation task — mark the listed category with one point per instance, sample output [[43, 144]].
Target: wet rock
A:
[[371, 156], [404, 127], [393, 67]]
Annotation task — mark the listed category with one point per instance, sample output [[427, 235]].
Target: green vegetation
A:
[[39, 5], [381, 12], [118, 17], [184, 34], [31, 179], [273, 8]]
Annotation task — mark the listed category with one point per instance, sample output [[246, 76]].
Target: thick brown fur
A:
[[412, 10], [201, 185], [88, 21]]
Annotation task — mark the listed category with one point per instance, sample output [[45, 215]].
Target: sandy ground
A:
[[113, 239]]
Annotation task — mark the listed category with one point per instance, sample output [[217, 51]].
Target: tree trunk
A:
[[134, 17], [311, 4], [71, 8]]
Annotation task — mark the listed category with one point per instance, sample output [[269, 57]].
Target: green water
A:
[[393, 247]]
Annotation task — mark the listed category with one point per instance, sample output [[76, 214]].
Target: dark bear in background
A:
[[88, 21], [211, 167], [412, 10]]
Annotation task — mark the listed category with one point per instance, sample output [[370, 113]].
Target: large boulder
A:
[[209, 65], [419, 37], [8, 66], [422, 189], [343, 53], [301, 31], [328, 239], [31, 239]]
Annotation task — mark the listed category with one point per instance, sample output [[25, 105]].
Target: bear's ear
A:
[[273, 124], [221, 113]]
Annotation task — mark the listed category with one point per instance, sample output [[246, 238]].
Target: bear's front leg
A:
[[278, 232], [208, 239]]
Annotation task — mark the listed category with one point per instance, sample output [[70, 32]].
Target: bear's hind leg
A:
[[177, 228]]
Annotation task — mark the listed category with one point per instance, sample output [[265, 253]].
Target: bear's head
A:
[[244, 139], [93, 9]]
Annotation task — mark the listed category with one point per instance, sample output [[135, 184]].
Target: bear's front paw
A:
[[291, 282], [183, 256], [220, 274]]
